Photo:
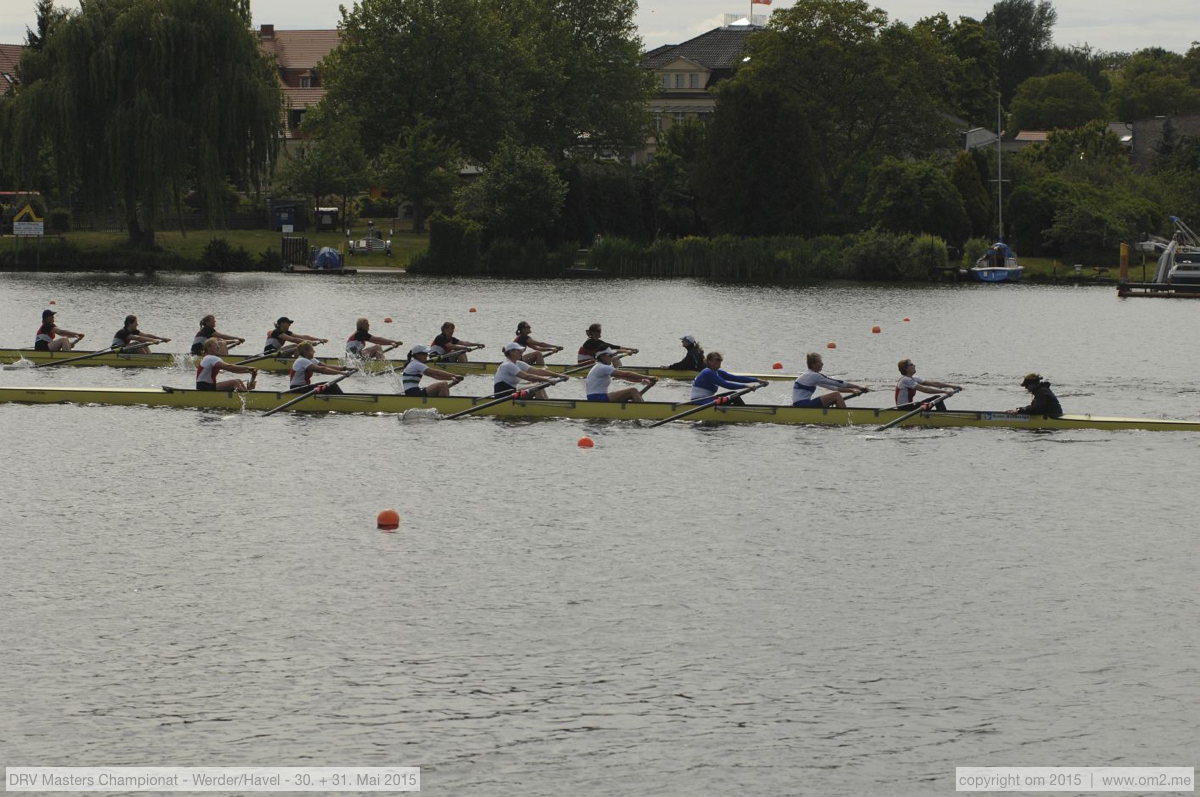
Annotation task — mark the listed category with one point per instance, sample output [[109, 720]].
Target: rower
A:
[[707, 381], [305, 365], [212, 365], [132, 340], [356, 344], [208, 329], [514, 369], [693, 359], [282, 334], [910, 384], [593, 344], [410, 378], [601, 376], [53, 338], [535, 350], [450, 349], [807, 383]]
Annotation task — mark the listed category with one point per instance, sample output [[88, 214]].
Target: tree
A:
[[1090, 145], [856, 88], [966, 66], [482, 72], [1063, 101], [671, 180], [142, 99], [1153, 82], [1024, 30], [326, 165], [969, 176], [916, 197], [420, 166], [518, 196]]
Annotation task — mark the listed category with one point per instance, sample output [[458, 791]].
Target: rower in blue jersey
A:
[[705, 385]]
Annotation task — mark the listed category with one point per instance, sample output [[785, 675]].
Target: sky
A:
[[1104, 24]]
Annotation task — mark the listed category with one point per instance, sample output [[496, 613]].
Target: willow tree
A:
[[141, 100]]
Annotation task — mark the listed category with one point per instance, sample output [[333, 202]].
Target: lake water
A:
[[747, 610]]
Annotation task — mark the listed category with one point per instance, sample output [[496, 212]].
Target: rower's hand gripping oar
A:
[[53, 363], [723, 398], [318, 389], [922, 407], [514, 395]]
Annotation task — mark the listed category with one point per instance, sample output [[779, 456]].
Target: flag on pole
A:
[[760, 2]]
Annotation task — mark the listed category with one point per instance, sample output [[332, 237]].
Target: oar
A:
[[109, 350], [723, 398], [516, 394], [922, 407], [286, 351], [438, 357], [319, 388]]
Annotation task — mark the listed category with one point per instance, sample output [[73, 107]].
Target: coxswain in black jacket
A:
[[1044, 401]]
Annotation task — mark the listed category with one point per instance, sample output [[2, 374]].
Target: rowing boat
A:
[[283, 364], [383, 403]]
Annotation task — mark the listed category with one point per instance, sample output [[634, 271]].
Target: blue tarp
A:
[[327, 258]]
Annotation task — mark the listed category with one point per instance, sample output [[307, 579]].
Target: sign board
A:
[[27, 223], [288, 228]]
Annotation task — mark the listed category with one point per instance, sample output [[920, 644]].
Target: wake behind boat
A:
[[386, 403], [283, 364]]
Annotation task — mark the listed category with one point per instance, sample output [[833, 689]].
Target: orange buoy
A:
[[388, 520], [471, 310], [53, 302], [906, 319], [831, 345], [586, 442], [387, 320], [875, 330], [778, 366]]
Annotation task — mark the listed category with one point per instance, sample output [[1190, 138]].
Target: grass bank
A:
[[186, 251]]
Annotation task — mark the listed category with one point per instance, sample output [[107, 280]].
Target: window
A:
[[295, 119], [679, 80], [666, 81], [680, 117], [694, 80], [305, 82], [660, 122]]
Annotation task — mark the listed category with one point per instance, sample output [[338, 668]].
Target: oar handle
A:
[[720, 398]]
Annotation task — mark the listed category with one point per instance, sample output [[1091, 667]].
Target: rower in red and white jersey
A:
[[910, 384], [306, 364], [53, 338], [208, 329], [450, 349], [132, 340], [211, 365]]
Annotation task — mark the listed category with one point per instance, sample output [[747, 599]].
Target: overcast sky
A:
[[1105, 24]]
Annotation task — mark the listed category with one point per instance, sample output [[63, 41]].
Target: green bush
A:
[[59, 220], [974, 249], [218, 255], [454, 247]]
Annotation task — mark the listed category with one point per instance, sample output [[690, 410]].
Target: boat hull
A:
[[283, 364], [382, 403], [990, 274]]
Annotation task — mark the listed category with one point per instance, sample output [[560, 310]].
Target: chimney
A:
[[266, 32]]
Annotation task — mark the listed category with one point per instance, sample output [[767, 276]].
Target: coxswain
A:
[[513, 369], [282, 334], [1044, 403], [356, 344], [601, 376], [593, 344], [132, 340], [910, 384], [535, 350], [410, 378], [704, 387], [808, 382], [208, 329], [450, 349], [693, 358], [305, 365], [211, 365], [53, 338]]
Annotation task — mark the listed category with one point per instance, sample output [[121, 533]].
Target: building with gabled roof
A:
[[298, 53], [686, 73], [10, 55]]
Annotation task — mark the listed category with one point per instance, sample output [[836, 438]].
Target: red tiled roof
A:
[[299, 49], [301, 98], [10, 54]]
